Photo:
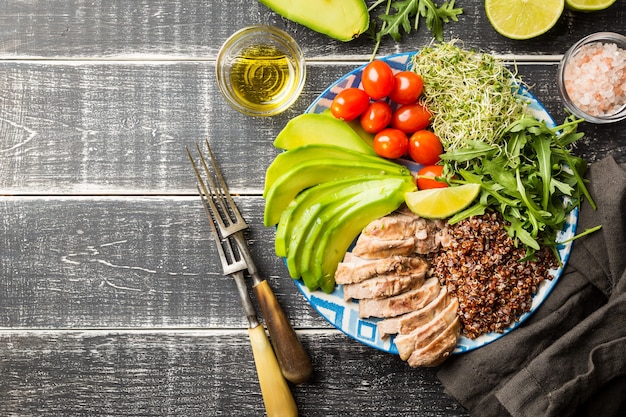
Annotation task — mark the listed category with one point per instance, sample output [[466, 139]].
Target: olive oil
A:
[[263, 76]]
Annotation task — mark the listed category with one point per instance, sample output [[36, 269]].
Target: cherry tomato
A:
[[377, 79], [391, 143], [376, 117], [425, 177], [349, 104], [425, 147], [410, 118], [407, 87]]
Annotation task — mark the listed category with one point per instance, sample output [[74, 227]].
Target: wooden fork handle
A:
[[293, 359], [277, 397]]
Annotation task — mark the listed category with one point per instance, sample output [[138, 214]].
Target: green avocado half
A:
[[340, 19]]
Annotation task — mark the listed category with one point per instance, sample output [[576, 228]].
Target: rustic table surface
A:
[[112, 301]]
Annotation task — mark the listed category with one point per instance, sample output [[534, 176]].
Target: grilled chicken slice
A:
[[399, 233], [395, 226], [354, 269], [437, 351], [422, 336], [383, 286], [406, 323], [368, 247], [401, 303]]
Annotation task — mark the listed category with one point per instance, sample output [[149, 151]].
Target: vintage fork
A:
[[277, 397], [293, 359]]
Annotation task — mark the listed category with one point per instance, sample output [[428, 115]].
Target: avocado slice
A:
[[339, 224], [339, 234], [310, 128], [307, 208], [314, 172], [301, 259], [355, 124], [343, 20], [312, 237], [290, 159], [306, 205]]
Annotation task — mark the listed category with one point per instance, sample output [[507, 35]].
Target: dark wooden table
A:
[[112, 302]]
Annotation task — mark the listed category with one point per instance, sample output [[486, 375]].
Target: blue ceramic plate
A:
[[345, 315]]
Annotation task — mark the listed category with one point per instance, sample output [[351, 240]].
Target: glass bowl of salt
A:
[[592, 78]]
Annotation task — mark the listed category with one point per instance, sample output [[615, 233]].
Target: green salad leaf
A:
[[525, 168], [406, 17], [534, 181]]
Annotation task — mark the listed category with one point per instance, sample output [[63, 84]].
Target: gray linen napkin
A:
[[569, 357]]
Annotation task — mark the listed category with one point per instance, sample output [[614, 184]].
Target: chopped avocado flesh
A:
[[343, 20]]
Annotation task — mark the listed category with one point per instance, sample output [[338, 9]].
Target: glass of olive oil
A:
[[260, 70]]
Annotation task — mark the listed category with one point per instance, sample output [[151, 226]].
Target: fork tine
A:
[[223, 188], [213, 190], [229, 219], [293, 360], [223, 215], [231, 259]]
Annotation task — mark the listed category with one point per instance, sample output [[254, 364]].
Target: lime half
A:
[[523, 19], [588, 5], [441, 203]]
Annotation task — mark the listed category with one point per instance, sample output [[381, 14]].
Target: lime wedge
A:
[[523, 19], [588, 5], [441, 203]]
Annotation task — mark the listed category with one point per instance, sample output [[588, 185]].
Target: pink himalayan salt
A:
[[595, 79]]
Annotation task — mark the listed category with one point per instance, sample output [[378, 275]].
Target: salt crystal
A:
[[595, 78]]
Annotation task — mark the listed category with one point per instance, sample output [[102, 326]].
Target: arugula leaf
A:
[[542, 149], [518, 230], [474, 149], [474, 210], [529, 176], [514, 148], [497, 168], [414, 9], [562, 187], [407, 16]]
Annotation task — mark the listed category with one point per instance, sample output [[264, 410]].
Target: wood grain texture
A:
[[162, 29], [200, 373], [112, 302], [62, 135], [113, 262]]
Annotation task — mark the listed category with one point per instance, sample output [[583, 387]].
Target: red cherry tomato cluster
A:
[[387, 106]]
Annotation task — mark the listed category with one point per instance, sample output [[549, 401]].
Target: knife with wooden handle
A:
[[294, 361]]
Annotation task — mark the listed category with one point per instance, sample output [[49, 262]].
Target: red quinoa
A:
[[481, 267]]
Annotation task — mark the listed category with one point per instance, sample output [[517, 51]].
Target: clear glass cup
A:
[[260, 70], [594, 78]]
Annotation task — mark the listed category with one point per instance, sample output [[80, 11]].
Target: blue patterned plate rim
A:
[[345, 315]]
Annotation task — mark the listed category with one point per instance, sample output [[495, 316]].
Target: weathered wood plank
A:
[[200, 373], [121, 128], [111, 299], [127, 262], [136, 29]]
